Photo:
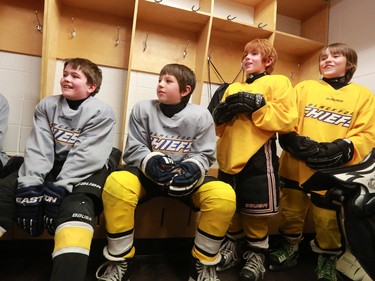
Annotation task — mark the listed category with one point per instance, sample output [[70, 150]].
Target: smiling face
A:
[[168, 90], [74, 84], [332, 64]]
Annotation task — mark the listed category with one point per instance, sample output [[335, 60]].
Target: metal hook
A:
[[262, 25], [195, 10], [39, 26], [117, 40], [158, 1], [185, 51], [145, 43], [293, 73], [229, 17], [73, 32]]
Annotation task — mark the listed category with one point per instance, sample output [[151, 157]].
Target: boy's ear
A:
[[91, 88], [269, 61], [186, 92]]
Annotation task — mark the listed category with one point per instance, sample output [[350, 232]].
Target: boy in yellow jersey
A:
[[247, 120], [335, 127]]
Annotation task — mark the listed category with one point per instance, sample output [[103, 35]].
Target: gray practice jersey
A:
[[4, 115], [190, 133], [81, 139]]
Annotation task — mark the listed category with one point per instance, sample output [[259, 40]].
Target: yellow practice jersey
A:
[[326, 114], [243, 136]]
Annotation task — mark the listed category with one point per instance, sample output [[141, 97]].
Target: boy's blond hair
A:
[[266, 49], [92, 72]]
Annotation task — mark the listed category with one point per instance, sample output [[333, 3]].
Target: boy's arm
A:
[[39, 152], [280, 112], [203, 148]]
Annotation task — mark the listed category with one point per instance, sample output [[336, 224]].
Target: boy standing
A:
[[247, 121], [59, 185], [335, 127], [170, 146]]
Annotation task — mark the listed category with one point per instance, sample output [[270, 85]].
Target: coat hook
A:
[[185, 51], [195, 9], [145, 43], [262, 25], [117, 40], [39, 26], [73, 32], [229, 17]]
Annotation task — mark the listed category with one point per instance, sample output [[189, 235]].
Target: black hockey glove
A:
[[53, 197], [157, 167], [222, 114], [29, 209], [331, 154], [188, 175], [13, 164], [243, 102], [298, 146]]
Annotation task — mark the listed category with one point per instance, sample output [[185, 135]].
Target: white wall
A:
[[353, 22]]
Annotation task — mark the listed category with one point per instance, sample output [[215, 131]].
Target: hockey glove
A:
[[188, 176], [331, 154], [298, 146], [53, 197], [222, 114], [243, 102], [29, 209], [157, 167]]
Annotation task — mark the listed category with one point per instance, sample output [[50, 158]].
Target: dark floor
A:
[[29, 260]]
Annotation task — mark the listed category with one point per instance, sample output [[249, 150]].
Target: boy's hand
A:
[[53, 197], [187, 176], [29, 209], [243, 102], [298, 146], [222, 114], [331, 154], [157, 167]]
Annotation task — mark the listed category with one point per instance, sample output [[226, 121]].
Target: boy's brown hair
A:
[[184, 75], [266, 49], [92, 72], [350, 55]]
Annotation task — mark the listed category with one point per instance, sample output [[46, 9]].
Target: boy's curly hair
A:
[[92, 72]]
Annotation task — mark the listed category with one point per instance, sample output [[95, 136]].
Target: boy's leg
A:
[[75, 224], [293, 210], [217, 204], [121, 194], [8, 186], [256, 231], [232, 248], [73, 236], [327, 242]]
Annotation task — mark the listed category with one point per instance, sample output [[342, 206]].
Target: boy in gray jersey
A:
[[59, 185], [8, 164], [170, 146]]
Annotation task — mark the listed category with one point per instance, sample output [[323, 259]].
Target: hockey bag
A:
[[352, 189]]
